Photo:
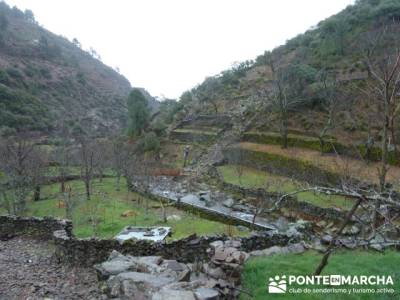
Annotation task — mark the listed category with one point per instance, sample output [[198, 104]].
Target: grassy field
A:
[[252, 178], [258, 271], [352, 167], [196, 131], [107, 206]]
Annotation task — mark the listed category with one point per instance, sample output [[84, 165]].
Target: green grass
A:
[[252, 178], [196, 131], [257, 272], [107, 205]]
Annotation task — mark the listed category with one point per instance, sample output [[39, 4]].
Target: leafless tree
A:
[[384, 86], [383, 63], [21, 162], [329, 90], [119, 157], [87, 160], [282, 94], [62, 155], [103, 154]]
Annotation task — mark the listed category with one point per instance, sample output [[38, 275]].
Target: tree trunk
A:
[[36, 193], [87, 187], [62, 185], [332, 244], [118, 180]]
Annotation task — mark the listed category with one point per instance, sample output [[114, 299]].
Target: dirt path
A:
[[330, 162], [28, 271]]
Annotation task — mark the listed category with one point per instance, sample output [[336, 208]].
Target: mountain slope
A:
[[46, 80], [336, 46]]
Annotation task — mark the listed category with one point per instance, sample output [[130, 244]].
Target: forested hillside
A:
[[46, 80], [324, 76]]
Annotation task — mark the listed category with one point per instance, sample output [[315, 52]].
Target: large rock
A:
[[166, 294], [116, 264], [277, 250], [228, 202], [206, 294], [148, 280]]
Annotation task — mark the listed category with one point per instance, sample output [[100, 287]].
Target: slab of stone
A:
[[228, 202], [274, 250], [206, 294], [166, 294], [217, 244], [150, 280]]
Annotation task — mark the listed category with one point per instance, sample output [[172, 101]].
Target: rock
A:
[[326, 239], [293, 232], [206, 294], [220, 254], [228, 202], [216, 273], [270, 251], [242, 228], [184, 275], [174, 265], [296, 248], [322, 224], [128, 213], [150, 280], [166, 294], [351, 230], [174, 218], [130, 290], [274, 250], [240, 256], [233, 243], [118, 264], [153, 260], [217, 244]]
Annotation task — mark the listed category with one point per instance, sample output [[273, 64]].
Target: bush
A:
[[149, 143]]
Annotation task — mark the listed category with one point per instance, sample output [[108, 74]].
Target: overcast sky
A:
[[169, 46]]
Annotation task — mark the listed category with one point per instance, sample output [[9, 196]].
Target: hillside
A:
[[333, 53], [45, 79]]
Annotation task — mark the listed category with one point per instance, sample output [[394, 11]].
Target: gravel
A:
[[28, 270]]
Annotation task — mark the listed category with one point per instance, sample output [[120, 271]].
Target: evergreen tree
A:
[[138, 113]]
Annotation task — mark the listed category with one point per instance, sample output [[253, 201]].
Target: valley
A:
[[285, 165]]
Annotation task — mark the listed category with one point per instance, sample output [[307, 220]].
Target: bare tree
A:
[[103, 156], [384, 86], [87, 160], [119, 157], [20, 160], [328, 90], [383, 63], [284, 92]]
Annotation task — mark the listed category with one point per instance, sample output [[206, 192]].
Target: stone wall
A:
[[291, 203], [193, 137], [220, 121], [193, 248], [42, 227], [87, 252], [280, 165]]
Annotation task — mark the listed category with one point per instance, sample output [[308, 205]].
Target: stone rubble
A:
[[152, 277]]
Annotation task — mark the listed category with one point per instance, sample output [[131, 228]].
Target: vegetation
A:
[[102, 215], [45, 78], [138, 112], [258, 270], [252, 178]]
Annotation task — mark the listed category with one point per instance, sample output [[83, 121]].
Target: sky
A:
[[169, 46]]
